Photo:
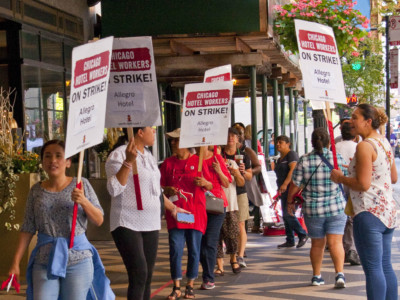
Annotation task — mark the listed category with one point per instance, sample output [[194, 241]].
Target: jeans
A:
[[373, 242], [138, 251], [291, 222], [177, 238], [74, 286], [209, 242]]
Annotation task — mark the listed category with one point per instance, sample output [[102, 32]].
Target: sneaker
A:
[[241, 262], [317, 280], [340, 281], [302, 241], [286, 245], [207, 286], [352, 258]]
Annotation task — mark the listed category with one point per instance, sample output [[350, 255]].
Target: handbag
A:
[[298, 197], [349, 210], [214, 205]]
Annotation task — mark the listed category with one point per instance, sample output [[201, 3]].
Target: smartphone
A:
[[185, 218]]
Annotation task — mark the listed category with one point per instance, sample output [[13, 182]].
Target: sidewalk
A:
[[271, 274]]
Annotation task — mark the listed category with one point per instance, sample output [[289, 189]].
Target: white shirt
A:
[[124, 210], [346, 149]]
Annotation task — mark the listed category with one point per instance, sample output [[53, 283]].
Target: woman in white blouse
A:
[[135, 225]]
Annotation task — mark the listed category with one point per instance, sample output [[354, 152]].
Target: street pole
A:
[[387, 78]]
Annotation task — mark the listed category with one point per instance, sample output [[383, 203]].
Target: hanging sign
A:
[[319, 62], [206, 114], [132, 95], [87, 105], [394, 30], [394, 68]]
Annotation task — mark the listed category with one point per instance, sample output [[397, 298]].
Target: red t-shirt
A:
[[216, 182], [180, 174]]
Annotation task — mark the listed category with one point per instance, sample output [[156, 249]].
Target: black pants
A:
[[138, 251]]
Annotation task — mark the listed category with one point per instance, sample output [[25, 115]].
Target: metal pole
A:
[[233, 111], [291, 118], [305, 126], [387, 78], [275, 106], [265, 115], [296, 120], [282, 96], [160, 129], [253, 103]]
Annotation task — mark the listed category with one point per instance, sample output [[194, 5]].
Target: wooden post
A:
[[75, 211], [136, 183], [328, 117]]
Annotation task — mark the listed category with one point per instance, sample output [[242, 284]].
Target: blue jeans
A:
[[209, 243], [74, 286], [373, 242], [291, 222], [177, 238]]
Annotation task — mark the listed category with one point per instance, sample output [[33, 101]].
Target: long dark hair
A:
[[123, 139], [320, 139]]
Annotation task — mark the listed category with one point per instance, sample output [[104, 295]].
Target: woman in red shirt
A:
[[183, 186]]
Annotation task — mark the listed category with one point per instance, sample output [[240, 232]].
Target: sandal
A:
[[189, 293], [219, 272], [235, 270], [174, 295]]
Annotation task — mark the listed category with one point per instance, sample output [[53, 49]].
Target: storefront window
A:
[[30, 45], [52, 51]]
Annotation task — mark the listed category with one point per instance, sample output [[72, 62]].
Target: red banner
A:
[[91, 69], [317, 41]]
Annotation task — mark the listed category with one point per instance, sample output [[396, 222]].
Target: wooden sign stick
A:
[[328, 117], [75, 211], [138, 194], [201, 158]]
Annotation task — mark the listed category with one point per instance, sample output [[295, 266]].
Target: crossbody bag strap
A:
[[327, 162], [308, 181]]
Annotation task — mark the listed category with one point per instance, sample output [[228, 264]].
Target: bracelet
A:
[[128, 165]]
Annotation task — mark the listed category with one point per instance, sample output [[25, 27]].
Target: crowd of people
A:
[[361, 187]]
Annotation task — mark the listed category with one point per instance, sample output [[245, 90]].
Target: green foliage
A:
[[367, 83], [8, 181]]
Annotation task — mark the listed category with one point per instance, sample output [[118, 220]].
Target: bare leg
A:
[[335, 243], [177, 284], [220, 264], [316, 254], [242, 238]]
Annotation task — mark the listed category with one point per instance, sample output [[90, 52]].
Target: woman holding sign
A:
[[183, 186], [48, 211], [135, 223], [372, 172]]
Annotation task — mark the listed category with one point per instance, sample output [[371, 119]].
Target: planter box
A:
[[9, 239]]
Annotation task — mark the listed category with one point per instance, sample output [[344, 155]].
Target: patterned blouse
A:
[[378, 199], [124, 212], [51, 213], [322, 197]]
